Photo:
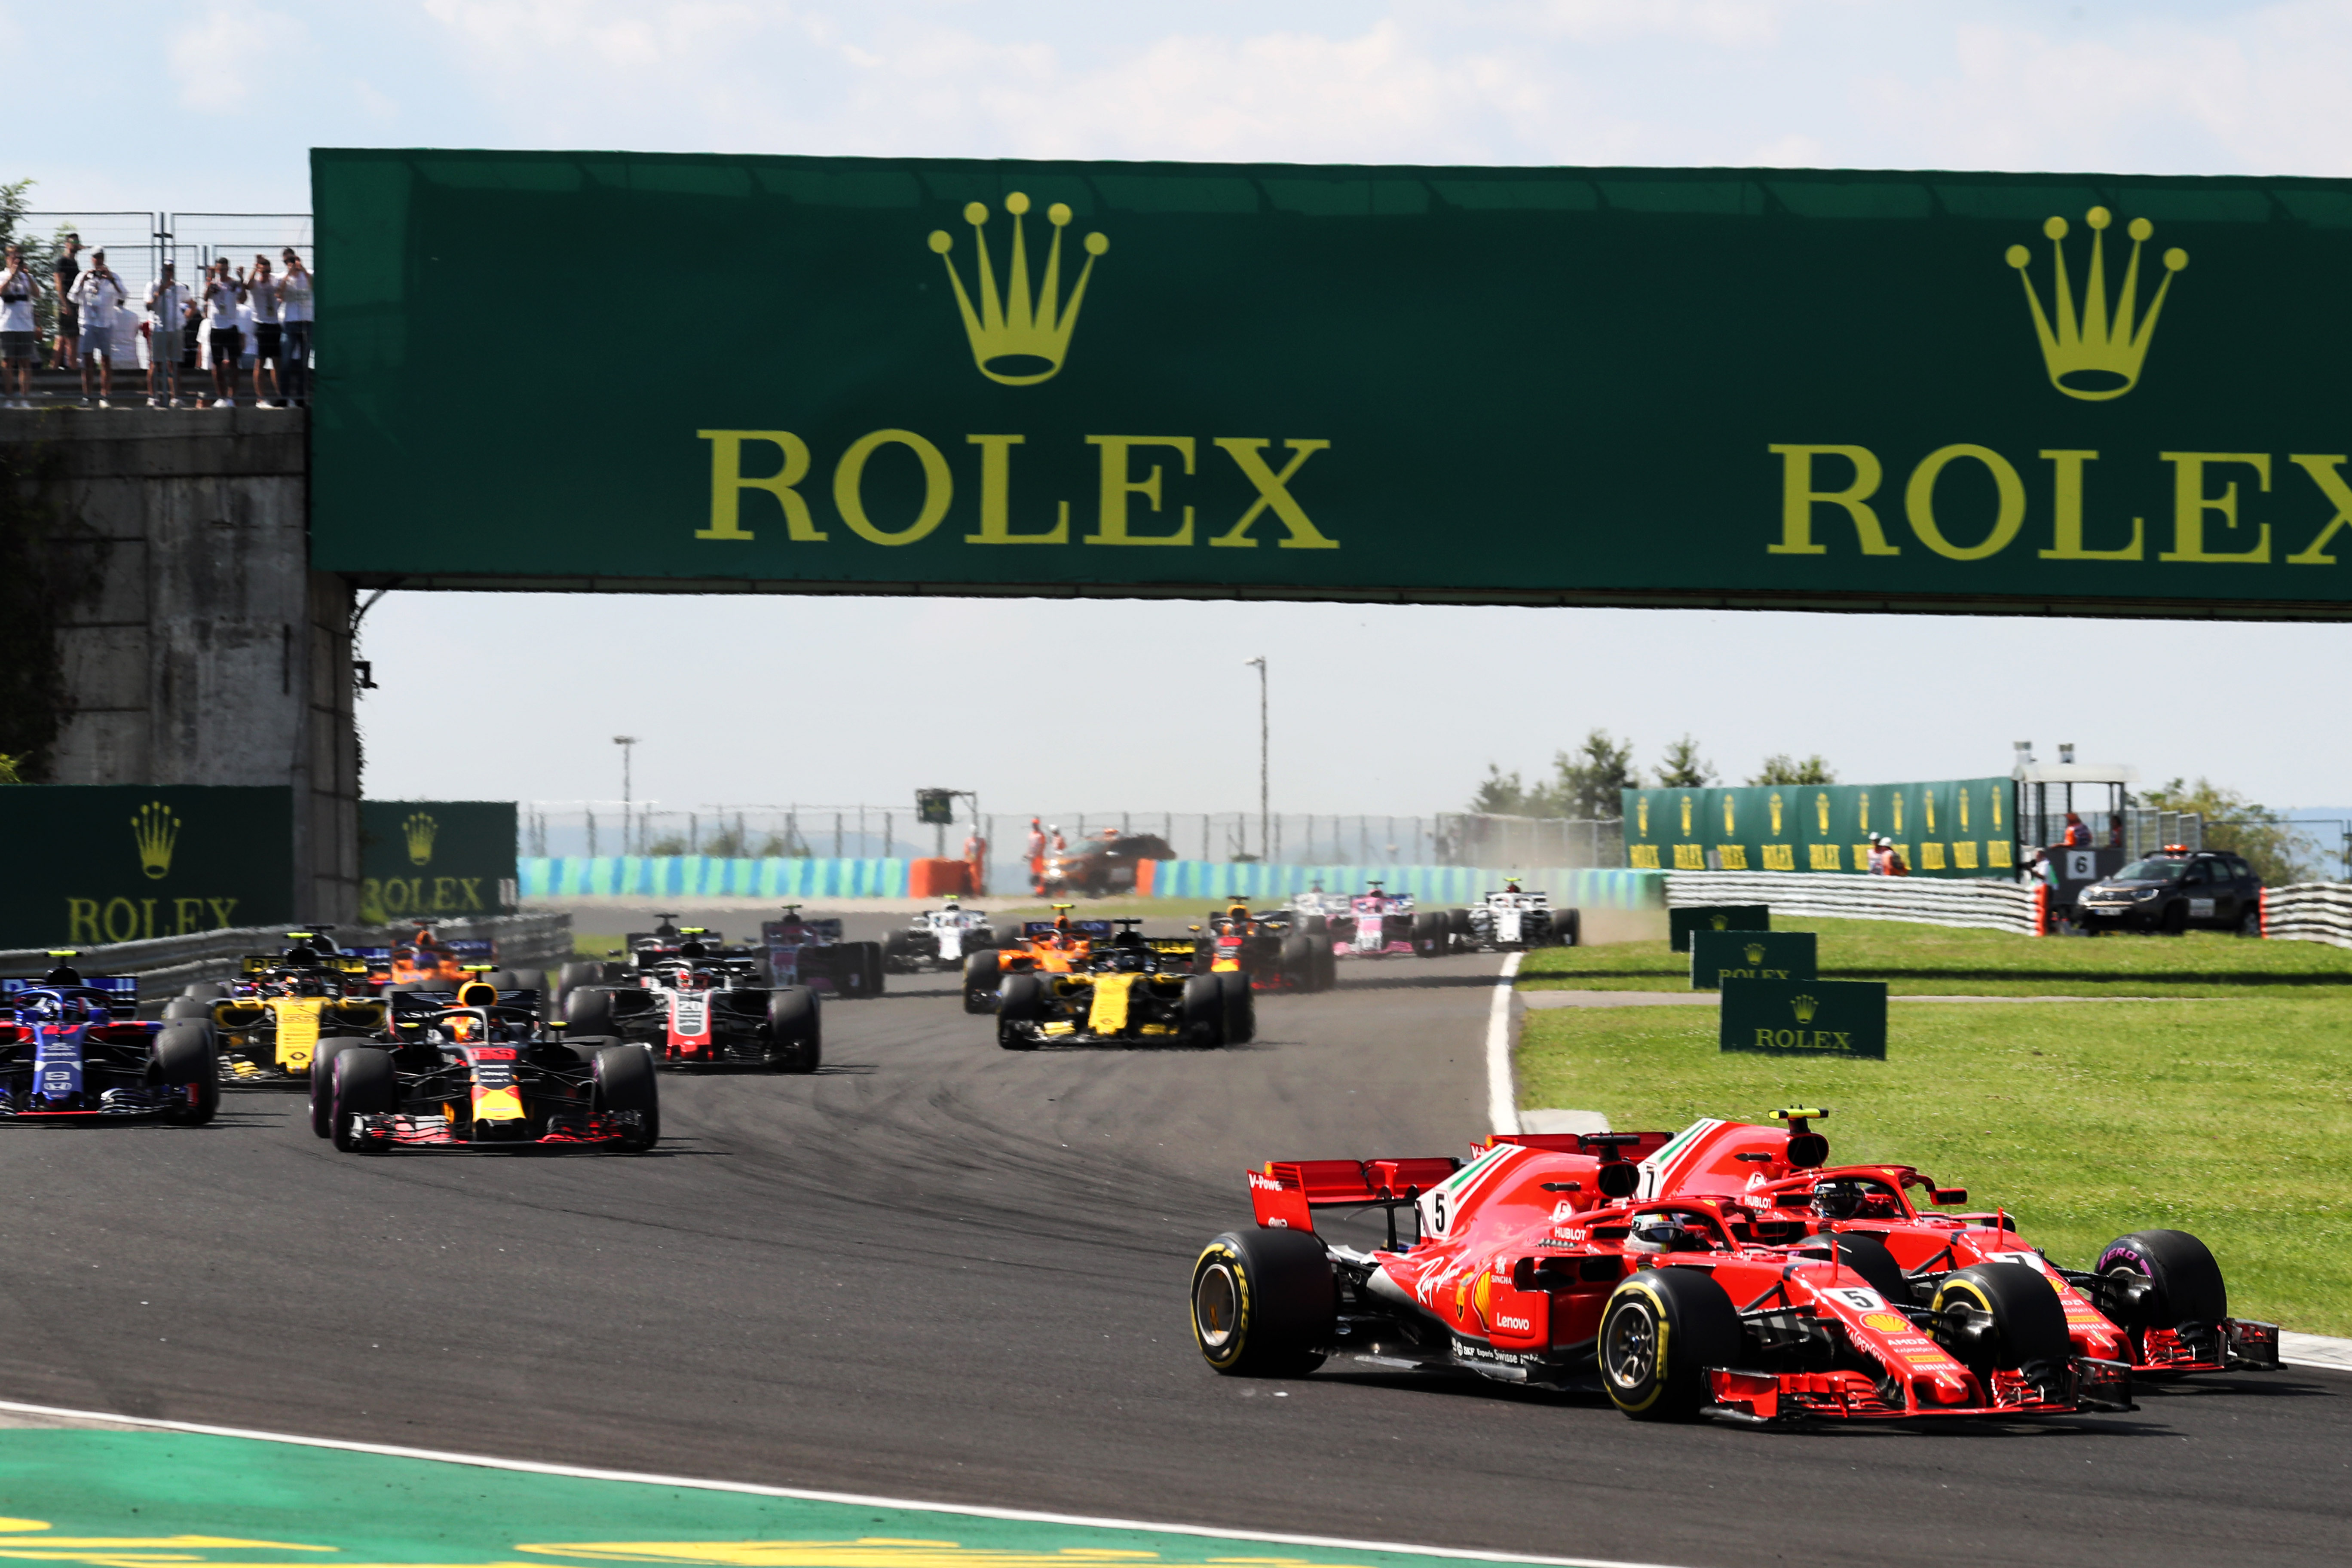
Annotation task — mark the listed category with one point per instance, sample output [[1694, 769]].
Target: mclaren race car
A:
[[270, 1019], [1057, 946], [72, 1049], [1555, 1261], [812, 954], [938, 938], [426, 959], [692, 1004], [1130, 989], [475, 1074], [1273, 947]]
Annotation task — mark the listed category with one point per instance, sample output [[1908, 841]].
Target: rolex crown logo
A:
[[1755, 951], [1804, 1007], [420, 830], [1017, 340], [2095, 354], [157, 833]]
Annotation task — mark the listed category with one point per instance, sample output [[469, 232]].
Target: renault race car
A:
[[1057, 946], [73, 1049], [1557, 1261], [1131, 990], [1513, 918], [690, 1005], [1270, 946], [470, 1073], [938, 938], [281, 1004], [812, 954]]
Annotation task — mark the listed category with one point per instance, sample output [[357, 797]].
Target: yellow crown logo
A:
[[157, 833], [1775, 804], [1017, 341], [2097, 356], [1804, 1007], [1755, 951], [1642, 812], [420, 831], [1686, 815], [1822, 809], [1730, 821]]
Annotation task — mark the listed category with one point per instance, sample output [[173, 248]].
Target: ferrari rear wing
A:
[[1286, 1195]]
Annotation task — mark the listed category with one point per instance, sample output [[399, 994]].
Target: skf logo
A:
[[157, 833], [1016, 340], [2094, 356], [1804, 1007], [420, 831]]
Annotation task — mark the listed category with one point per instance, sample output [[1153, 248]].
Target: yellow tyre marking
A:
[[1658, 1366]]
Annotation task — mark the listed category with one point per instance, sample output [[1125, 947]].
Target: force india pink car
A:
[[1726, 1270]]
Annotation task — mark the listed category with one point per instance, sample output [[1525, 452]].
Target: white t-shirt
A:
[[98, 297], [220, 303], [295, 293], [169, 306], [261, 299], [16, 303]]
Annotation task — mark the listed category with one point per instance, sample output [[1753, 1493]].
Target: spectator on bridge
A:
[[223, 294], [16, 330], [295, 302], [167, 315], [65, 353], [261, 298], [99, 299]]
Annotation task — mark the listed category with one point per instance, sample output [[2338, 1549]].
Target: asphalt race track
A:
[[940, 1270]]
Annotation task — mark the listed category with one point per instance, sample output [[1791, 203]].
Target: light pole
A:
[[1264, 840], [628, 754]]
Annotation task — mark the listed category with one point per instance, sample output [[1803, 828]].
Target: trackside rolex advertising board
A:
[[1718, 956], [1805, 1017], [1948, 827], [435, 857], [91, 864], [1653, 386]]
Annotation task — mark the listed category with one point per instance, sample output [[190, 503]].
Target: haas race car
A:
[[73, 1050], [1725, 1271], [692, 1002], [1127, 990], [474, 1068]]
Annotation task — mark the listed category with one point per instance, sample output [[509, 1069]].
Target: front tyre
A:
[[796, 1030], [364, 1084], [624, 1082], [1660, 1331], [1020, 1008], [2186, 1283], [2026, 1331], [1264, 1303]]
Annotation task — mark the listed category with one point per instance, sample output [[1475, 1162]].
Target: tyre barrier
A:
[[1985, 904]]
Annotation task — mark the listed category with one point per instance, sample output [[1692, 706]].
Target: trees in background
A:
[[1683, 768], [1783, 769], [2272, 845], [1586, 783]]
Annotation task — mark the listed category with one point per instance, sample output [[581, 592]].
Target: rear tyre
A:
[[1429, 933], [2028, 1331], [571, 977], [589, 1012], [187, 1007], [322, 1080], [1204, 1010], [1020, 1003], [363, 1085], [205, 990], [1568, 926], [188, 1059], [624, 1082], [980, 978], [1240, 1007], [1867, 1256], [1299, 960], [796, 1038], [2187, 1283], [1326, 967], [2250, 923], [1264, 1303], [1660, 1331]]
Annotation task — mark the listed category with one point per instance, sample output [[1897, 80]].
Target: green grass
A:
[[2087, 1120], [1926, 961], [596, 945]]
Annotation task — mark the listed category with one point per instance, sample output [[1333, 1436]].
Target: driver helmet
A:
[[1663, 1233], [1837, 1199]]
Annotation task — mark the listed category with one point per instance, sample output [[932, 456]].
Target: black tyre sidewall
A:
[[2028, 1320], [2189, 1284], [364, 1082], [1287, 1303], [1693, 1326]]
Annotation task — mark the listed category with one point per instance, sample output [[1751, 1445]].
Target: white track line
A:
[[855, 1499], [1502, 1100]]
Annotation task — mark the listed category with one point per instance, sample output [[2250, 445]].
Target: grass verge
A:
[[2232, 1121], [1925, 961]]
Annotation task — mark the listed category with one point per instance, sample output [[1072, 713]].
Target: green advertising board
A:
[[102, 863], [1805, 1017], [1944, 828], [1787, 389], [1718, 956], [435, 857], [1685, 922]]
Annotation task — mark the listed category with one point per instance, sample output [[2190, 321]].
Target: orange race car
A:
[[1059, 946]]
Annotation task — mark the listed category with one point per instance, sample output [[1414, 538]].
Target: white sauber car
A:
[[1517, 918], [938, 938]]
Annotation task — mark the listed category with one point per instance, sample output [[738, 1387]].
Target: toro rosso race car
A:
[[477, 1071], [693, 1004], [1557, 1261], [939, 938], [72, 1050], [812, 954], [1128, 990]]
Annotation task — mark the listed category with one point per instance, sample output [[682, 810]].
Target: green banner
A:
[[1805, 1017], [1718, 956], [435, 857], [98, 863], [1564, 385], [1947, 828], [1686, 921]]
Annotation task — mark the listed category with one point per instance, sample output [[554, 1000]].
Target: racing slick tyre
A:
[[517, 979], [589, 1012], [2186, 1284], [1240, 1007], [1297, 962], [1204, 1010], [1326, 967], [1020, 1005], [1264, 1303], [205, 990], [187, 1007], [898, 953], [571, 977], [1660, 1331], [1458, 926], [796, 1030], [1568, 926], [1867, 1256], [322, 1079], [363, 1084], [980, 978], [2001, 1316], [624, 1082], [187, 1058], [1318, 926], [1429, 933]]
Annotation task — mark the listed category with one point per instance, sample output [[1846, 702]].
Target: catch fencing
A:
[[1994, 906], [165, 964], [2309, 911]]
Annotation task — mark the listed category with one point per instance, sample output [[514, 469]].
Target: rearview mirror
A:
[[1947, 1197], [1808, 1150], [1618, 1178]]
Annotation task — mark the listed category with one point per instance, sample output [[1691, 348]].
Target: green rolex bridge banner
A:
[[434, 858], [1698, 386], [1948, 827], [92, 864]]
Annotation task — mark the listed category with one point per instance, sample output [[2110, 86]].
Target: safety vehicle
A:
[[1272, 947], [268, 1020], [469, 1070], [1513, 918], [689, 1004], [1112, 863], [1057, 946], [813, 952], [938, 938], [1562, 1261], [1130, 989], [2173, 892], [73, 1049]]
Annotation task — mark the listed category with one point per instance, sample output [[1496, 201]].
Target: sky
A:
[[1373, 708]]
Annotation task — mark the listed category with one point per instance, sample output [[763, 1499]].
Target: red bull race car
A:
[[1805, 1292], [1273, 947], [691, 1001], [72, 1049]]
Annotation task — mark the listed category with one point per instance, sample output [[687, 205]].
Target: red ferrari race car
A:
[[1559, 1262]]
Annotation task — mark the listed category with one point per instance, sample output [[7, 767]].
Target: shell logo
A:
[[1885, 1322]]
